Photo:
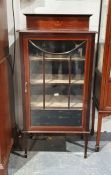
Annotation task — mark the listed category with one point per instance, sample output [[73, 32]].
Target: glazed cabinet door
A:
[[56, 83]]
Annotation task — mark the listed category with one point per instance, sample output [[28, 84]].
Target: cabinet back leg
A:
[[93, 118], [98, 132], [86, 145], [25, 144]]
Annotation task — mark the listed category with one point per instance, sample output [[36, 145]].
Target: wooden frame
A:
[[24, 37]]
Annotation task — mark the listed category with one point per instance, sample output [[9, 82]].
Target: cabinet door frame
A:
[[90, 39]]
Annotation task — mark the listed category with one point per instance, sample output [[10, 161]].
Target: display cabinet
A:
[[102, 83], [57, 64]]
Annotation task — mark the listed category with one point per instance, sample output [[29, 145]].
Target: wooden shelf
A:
[[59, 58], [52, 101], [56, 79]]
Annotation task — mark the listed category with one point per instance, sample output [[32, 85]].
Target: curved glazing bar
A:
[[59, 53]]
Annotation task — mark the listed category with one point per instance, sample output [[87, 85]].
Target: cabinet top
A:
[[58, 21], [60, 31], [57, 14]]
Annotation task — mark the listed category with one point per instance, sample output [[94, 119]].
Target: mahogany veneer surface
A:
[[5, 115], [57, 21]]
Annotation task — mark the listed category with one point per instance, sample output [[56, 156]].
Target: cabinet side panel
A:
[[97, 86], [5, 118]]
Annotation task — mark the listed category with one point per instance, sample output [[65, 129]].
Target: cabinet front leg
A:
[[98, 132]]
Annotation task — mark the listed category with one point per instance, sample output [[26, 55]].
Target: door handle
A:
[[26, 87]]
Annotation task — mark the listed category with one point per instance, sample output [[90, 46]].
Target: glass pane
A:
[[76, 97], [56, 72], [36, 77], [56, 83], [36, 96], [77, 76], [56, 117], [56, 96]]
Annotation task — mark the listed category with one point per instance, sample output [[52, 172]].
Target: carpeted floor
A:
[[59, 155]]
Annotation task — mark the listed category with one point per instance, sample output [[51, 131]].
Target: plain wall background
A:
[[64, 6]]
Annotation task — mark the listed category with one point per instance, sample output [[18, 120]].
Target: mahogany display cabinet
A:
[[57, 61], [102, 83]]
